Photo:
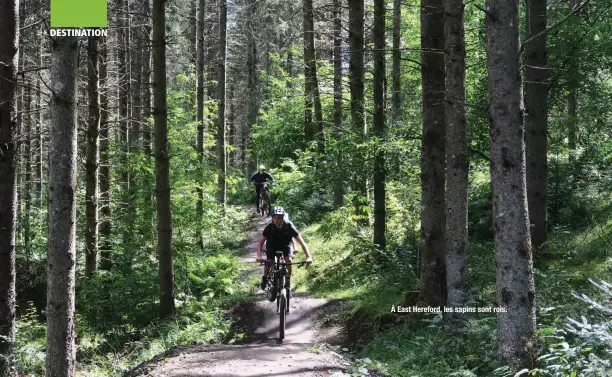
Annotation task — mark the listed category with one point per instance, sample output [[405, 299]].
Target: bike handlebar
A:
[[300, 264]]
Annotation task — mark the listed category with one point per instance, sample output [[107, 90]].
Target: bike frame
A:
[[280, 295], [264, 185]]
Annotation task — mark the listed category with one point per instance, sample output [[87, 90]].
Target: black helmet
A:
[[278, 211]]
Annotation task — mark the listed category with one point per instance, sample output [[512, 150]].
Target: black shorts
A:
[[287, 252]]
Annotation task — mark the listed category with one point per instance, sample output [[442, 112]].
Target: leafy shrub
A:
[[30, 343], [112, 299], [579, 347], [212, 275]]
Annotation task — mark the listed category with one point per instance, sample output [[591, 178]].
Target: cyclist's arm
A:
[[300, 240], [268, 175], [262, 239]]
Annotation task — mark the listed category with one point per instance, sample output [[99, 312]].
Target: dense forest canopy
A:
[[434, 153]]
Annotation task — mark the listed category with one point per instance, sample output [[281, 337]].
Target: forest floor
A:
[[308, 350]]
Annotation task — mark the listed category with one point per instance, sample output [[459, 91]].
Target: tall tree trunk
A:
[[572, 101], [61, 258], [515, 286], [200, 116], [104, 176], [289, 68], [135, 143], [193, 27], [312, 83], [231, 115], [251, 68], [338, 180], [356, 83], [162, 161], [9, 55], [572, 97], [433, 220], [253, 94], [309, 130], [380, 11], [38, 179], [146, 71], [92, 160], [221, 147], [27, 156], [147, 112], [536, 120], [396, 97], [212, 66], [21, 157], [136, 78], [457, 158], [124, 92]]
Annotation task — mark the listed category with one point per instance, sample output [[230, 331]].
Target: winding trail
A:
[[264, 355]]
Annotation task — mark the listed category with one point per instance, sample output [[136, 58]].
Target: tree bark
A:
[[572, 98], [221, 146], [457, 158], [231, 115], [309, 130], [212, 66], [162, 161], [104, 176], [61, 258], [396, 77], [379, 124], [134, 140], [356, 83], [536, 120], [92, 160], [193, 27], [200, 114], [515, 286], [38, 170], [289, 68], [312, 83], [20, 155], [572, 101], [252, 94], [136, 88], [9, 54], [433, 219], [27, 156], [338, 181], [124, 127], [146, 71]]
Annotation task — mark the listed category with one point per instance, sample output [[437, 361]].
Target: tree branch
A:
[[561, 21]]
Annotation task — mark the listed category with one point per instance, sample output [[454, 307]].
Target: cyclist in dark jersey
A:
[[278, 236], [258, 179]]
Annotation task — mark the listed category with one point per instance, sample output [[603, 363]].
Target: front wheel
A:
[[283, 314]]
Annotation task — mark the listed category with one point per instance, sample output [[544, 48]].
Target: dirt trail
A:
[[263, 356]]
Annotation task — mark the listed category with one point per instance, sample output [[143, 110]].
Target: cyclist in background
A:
[[258, 179]]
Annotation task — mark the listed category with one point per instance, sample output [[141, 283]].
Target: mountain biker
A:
[[279, 235], [258, 179]]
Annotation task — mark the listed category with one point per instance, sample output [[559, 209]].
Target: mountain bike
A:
[[276, 289], [264, 199]]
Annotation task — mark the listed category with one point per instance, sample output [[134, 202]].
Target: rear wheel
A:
[[283, 313]]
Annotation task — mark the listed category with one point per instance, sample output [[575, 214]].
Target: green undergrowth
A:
[[117, 321], [369, 283]]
